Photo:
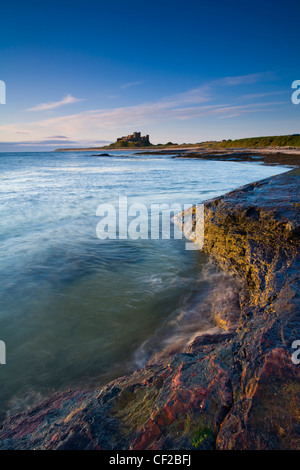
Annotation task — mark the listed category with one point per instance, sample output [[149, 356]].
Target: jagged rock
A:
[[101, 155]]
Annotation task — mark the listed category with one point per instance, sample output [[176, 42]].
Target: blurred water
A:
[[77, 311]]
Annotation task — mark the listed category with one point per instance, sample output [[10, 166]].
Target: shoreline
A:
[[181, 148], [267, 156], [235, 390], [280, 156]]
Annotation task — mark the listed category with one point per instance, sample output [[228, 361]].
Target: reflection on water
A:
[[76, 311]]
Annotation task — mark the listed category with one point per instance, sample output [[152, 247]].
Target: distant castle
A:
[[135, 137]]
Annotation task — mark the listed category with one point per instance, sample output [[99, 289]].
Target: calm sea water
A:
[[76, 311]]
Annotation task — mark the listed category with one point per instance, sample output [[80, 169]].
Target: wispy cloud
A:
[[50, 144], [105, 122], [58, 137], [245, 79], [68, 99], [205, 101], [255, 96], [130, 84]]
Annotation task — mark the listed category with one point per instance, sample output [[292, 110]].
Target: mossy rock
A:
[[204, 439]]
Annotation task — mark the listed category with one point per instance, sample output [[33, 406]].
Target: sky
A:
[[84, 73]]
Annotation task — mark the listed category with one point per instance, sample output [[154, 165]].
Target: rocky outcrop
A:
[[101, 155], [236, 390]]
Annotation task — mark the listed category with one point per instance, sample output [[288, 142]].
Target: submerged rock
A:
[[236, 390], [101, 155]]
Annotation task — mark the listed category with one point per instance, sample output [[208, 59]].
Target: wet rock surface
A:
[[233, 390]]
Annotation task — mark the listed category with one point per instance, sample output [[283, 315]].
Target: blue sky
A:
[[84, 73]]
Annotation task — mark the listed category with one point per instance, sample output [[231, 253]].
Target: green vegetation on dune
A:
[[259, 142], [249, 142]]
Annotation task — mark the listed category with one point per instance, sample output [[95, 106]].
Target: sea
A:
[[77, 311]]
